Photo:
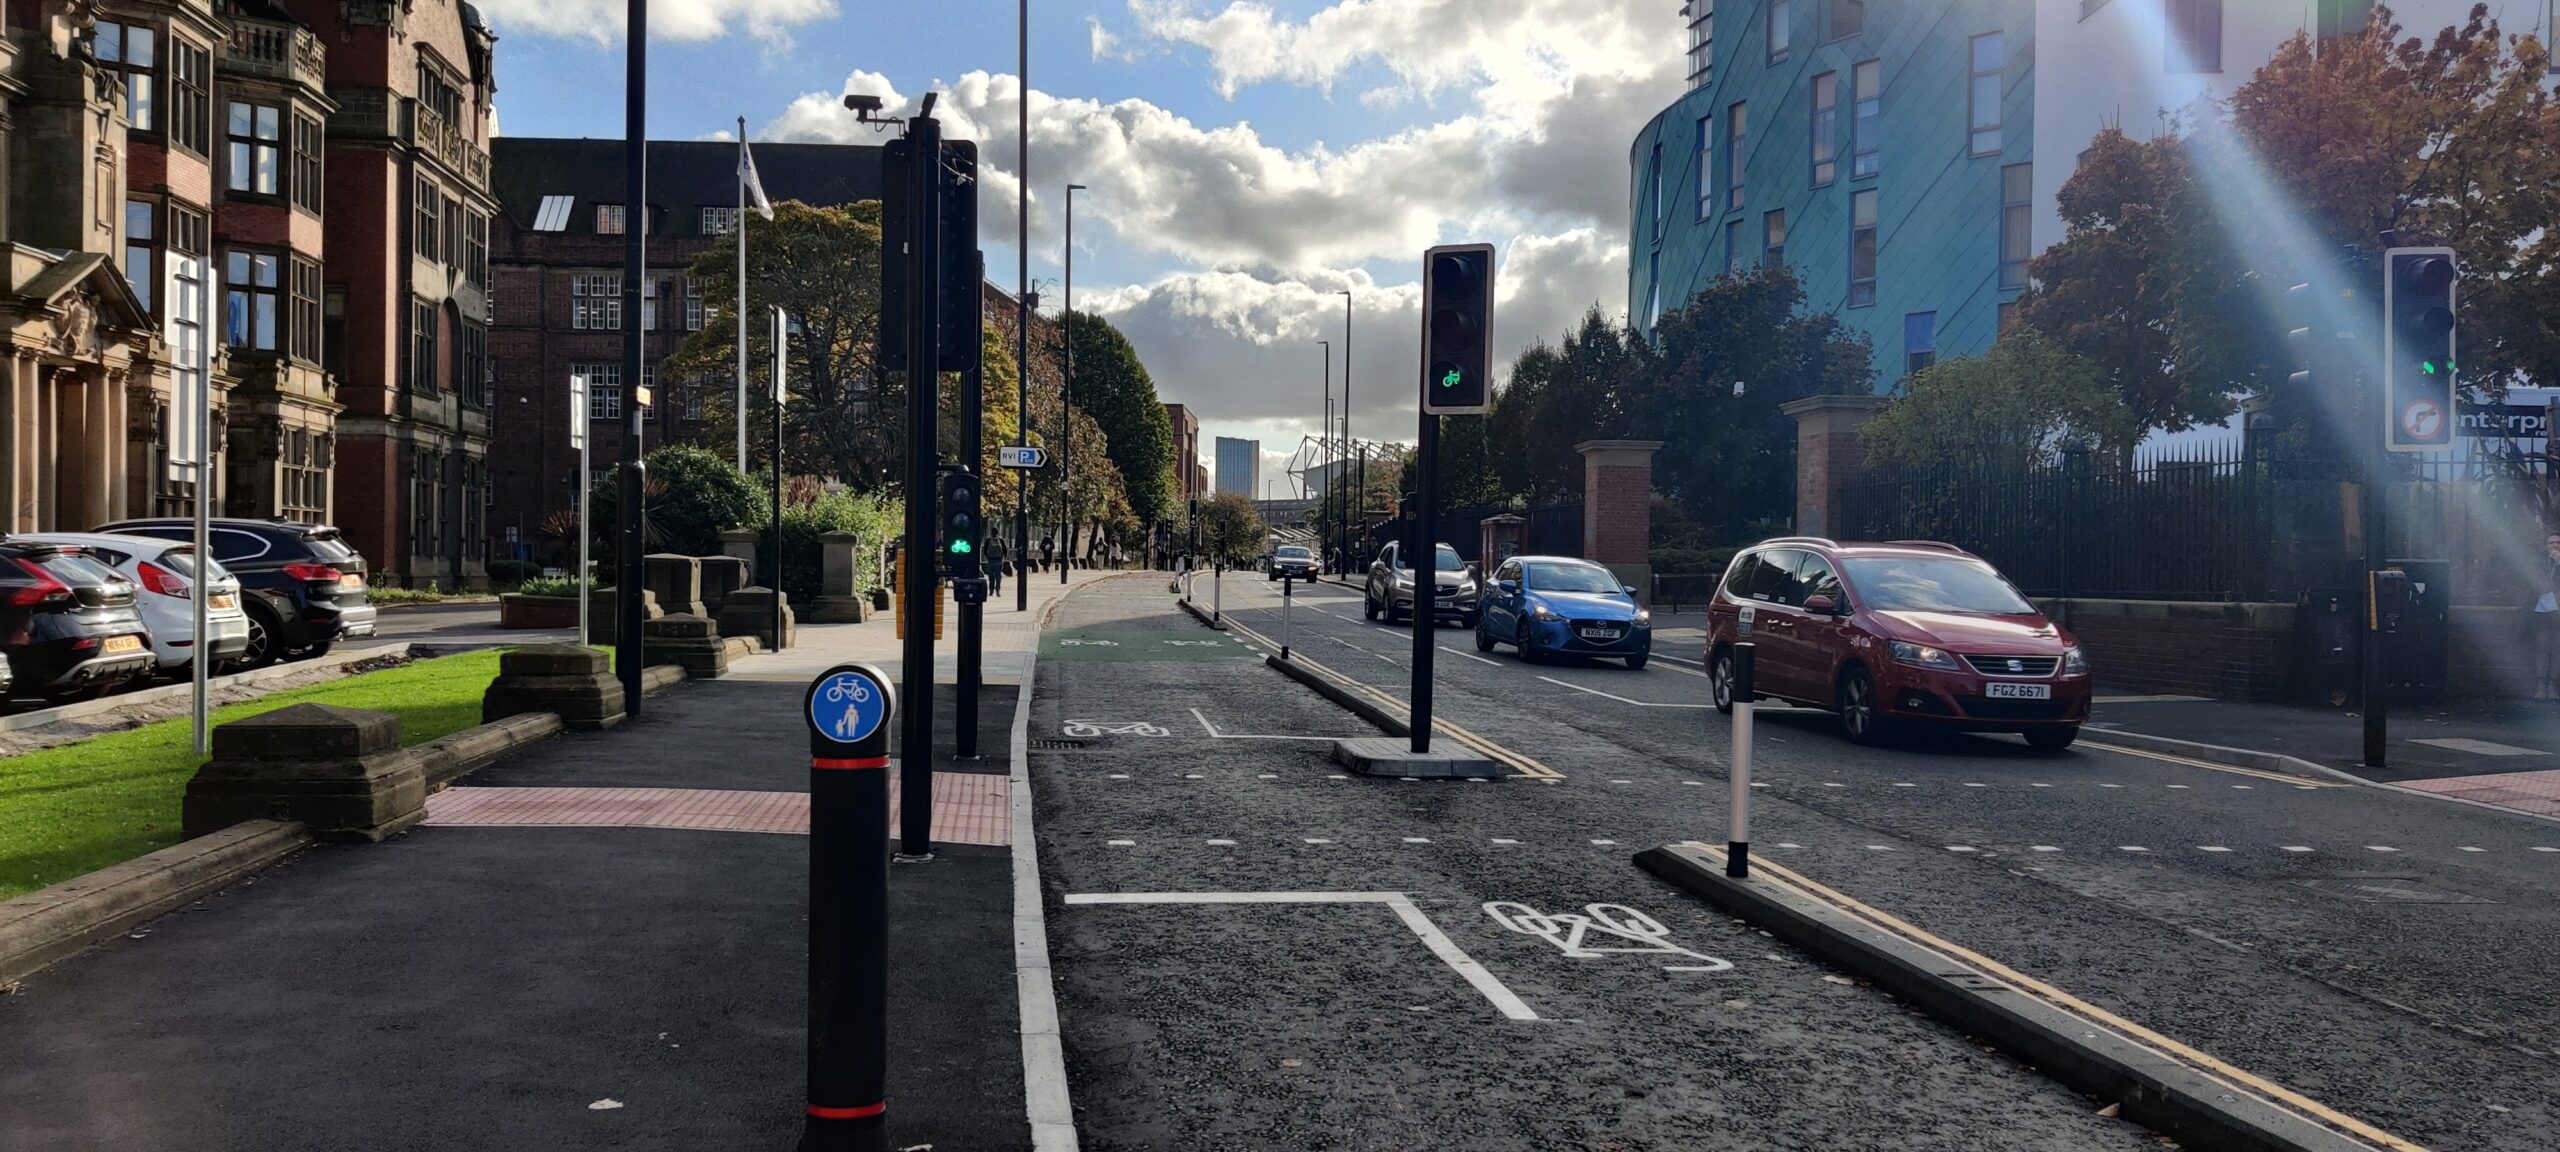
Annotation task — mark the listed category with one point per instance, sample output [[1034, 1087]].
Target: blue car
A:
[[1560, 606]]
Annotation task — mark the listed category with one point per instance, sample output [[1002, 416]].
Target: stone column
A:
[[1617, 509], [1830, 455], [47, 455], [12, 419], [119, 445]]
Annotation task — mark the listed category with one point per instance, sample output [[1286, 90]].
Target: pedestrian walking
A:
[[2546, 623], [1048, 549], [996, 553]]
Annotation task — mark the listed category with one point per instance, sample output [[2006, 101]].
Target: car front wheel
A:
[[2052, 739], [1861, 717], [1484, 639], [1720, 681], [1527, 643], [1368, 607]]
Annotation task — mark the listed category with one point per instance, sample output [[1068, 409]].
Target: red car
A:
[[1903, 634]]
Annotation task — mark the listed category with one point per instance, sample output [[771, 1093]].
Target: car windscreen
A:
[[181, 561], [1572, 578], [79, 570], [1933, 584], [1449, 561], [1296, 554], [328, 547]]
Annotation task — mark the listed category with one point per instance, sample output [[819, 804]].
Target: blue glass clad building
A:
[[1881, 148]]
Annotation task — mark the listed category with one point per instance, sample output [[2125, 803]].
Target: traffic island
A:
[[2157, 1082], [1384, 756]]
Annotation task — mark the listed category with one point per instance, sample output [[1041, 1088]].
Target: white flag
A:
[[755, 187]]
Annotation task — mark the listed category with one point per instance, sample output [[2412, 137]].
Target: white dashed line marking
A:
[[1878, 848], [1828, 784], [1337, 776], [1758, 784], [1971, 784], [2110, 785], [2042, 848], [1266, 775], [1119, 775], [2181, 786], [1222, 843], [1622, 781], [2468, 848], [1417, 839], [1789, 845], [2379, 848], [2039, 785], [1695, 783], [1499, 840], [2297, 847], [2540, 848], [1602, 843], [1317, 840], [1120, 843], [1900, 784], [2131, 848], [1961, 848], [2211, 848], [1190, 775], [2246, 787]]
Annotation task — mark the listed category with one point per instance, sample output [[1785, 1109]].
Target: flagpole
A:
[[741, 225]]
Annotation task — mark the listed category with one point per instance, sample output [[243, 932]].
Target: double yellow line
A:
[[2231, 1074], [1519, 764]]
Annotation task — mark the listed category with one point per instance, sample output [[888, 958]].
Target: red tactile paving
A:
[[2537, 792], [969, 808]]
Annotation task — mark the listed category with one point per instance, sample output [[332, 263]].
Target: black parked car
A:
[[68, 623], [301, 585]]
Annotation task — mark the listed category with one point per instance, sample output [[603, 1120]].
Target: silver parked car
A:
[[165, 574], [1389, 592]]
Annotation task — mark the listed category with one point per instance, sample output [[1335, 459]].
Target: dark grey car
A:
[[1389, 591]]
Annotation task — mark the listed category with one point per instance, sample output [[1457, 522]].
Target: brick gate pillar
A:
[[1830, 455], [1617, 509]]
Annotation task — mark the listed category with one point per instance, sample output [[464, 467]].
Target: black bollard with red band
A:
[[848, 709]]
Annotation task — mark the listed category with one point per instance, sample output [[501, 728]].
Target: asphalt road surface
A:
[[2388, 955], [1255, 951]]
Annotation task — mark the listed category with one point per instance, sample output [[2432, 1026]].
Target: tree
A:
[[2003, 410], [1231, 527], [694, 494], [822, 266], [1115, 389]]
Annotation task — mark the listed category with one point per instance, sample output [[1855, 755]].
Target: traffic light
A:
[[956, 212], [963, 526], [1457, 329], [2417, 349]]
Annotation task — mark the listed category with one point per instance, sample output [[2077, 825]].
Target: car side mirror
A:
[[1508, 586], [1629, 589], [1821, 605]]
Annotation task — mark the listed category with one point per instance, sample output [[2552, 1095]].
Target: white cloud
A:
[[602, 21]]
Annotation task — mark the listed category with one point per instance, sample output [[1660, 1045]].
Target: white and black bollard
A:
[[1288, 580], [1217, 588], [1737, 846]]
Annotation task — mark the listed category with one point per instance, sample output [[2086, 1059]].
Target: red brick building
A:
[[404, 300], [557, 275]]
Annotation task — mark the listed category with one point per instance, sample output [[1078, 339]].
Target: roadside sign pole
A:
[[973, 607], [629, 655], [1737, 845], [781, 392], [201, 675], [586, 482], [848, 709], [1422, 558]]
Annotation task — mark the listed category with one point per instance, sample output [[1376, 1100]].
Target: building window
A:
[[2194, 42], [1657, 190], [475, 248], [2017, 222], [1848, 18], [304, 494], [257, 146], [189, 230], [303, 324], [131, 51], [1984, 94], [649, 306], [1773, 238], [1919, 341], [309, 146], [475, 500], [474, 368], [719, 221], [1735, 259], [692, 306], [1702, 41], [1826, 128], [452, 232], [1868, 80], [1737, 138], [251, 291], [1653, 305], [604, 389], [191, 98], [422, 349], [1862, 248], [608, 219], [140, 269], [426, 473], [1706, 173], [1780, 17], [429, 242], [595, 301], [647, 396], [2347, 18]]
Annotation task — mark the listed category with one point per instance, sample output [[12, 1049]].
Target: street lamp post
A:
[[1359, 485], [1324, 439], [1023, 299], [1067, 402], [635, 157]]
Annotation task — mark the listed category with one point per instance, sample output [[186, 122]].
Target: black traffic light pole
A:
[[629, 657], [924, 377], [1457, 365], [1422, 557]]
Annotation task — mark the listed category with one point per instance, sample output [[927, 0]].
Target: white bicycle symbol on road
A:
[[1574, 932], [1112, 728]]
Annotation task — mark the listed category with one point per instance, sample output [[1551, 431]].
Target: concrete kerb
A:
[[1202, 615], [1044, 1067], [1351, 701], [2153, 1088], [50, 924], [44, 716], [2289, 765]]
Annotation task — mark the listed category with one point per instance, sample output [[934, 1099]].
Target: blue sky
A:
[[1248, 160]]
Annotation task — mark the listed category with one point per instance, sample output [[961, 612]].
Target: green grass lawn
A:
[[80, 807]]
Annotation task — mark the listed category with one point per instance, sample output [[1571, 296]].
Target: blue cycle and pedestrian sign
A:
[[848, 706]]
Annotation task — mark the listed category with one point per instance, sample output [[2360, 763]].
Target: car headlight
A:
[[1542, 612], [1644, 617], [1923, 655], [2073, 663]]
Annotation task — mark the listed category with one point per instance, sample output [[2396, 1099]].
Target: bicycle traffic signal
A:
[[2417, 349], [1457, 329], [963, 526]]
